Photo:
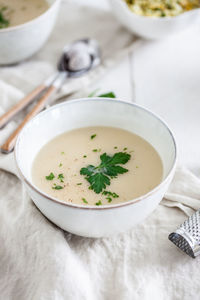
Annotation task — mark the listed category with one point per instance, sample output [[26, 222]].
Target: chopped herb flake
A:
[[109, 199], [57, 187], [62, 152], [115, 147], [51, 176], [84, 156], [98, 203], [61, 177], [96, 150], [3, 21], [125, 149], [84, 200], [79, 183], [60, 165], [114, 195], [93, 136]]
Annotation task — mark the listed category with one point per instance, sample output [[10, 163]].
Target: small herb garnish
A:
[[57, 187], [125, 149], [60, 165], [96, 150], [109, 199], [84, 200], [108, 95], [79, 183], [115, 147], [98, 203], [61, 177], [62, 152], [3, 21], [99, 177], [51, 176], [114, 195], [84, 156], [137, 167], [93, 136]]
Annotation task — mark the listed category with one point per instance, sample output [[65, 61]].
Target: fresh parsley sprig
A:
[[99, 177]]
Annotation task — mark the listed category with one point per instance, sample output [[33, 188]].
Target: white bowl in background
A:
[[85, 220], [22, 41], [152, 27]]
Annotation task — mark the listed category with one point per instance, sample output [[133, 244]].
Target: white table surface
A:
[[163, 76]]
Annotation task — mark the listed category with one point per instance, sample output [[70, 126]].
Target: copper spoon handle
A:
[[9, 145], [5, 118]]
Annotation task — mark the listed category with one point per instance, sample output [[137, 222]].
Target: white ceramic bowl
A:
[[22, 41], [153, 27], [93, 221]]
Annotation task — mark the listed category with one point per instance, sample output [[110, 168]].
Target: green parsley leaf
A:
[[107, 95], [60, 165], [84, 156], [84, 200], [62, 152], [93, 136], [98, 182], [98, 203], [61, 177], [57, 187], [79, 183], [51, 176], [109, 199], [99, 177]]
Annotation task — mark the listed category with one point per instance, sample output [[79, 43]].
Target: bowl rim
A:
[[159, 19], [30, 22], [92, 207]]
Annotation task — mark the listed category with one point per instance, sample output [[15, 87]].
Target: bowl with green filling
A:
[[156, 19], [24, 27]]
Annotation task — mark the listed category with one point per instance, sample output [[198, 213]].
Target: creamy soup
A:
[[97, 166], [15, 12]]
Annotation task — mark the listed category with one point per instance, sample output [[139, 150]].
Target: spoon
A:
[[77, 59]]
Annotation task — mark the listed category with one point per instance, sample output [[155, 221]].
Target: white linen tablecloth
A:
[[39, 260]]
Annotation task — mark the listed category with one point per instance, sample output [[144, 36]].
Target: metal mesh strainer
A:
[[187, 236]]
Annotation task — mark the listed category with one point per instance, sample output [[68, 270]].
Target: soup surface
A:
[[97, 166], [15, 12]]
